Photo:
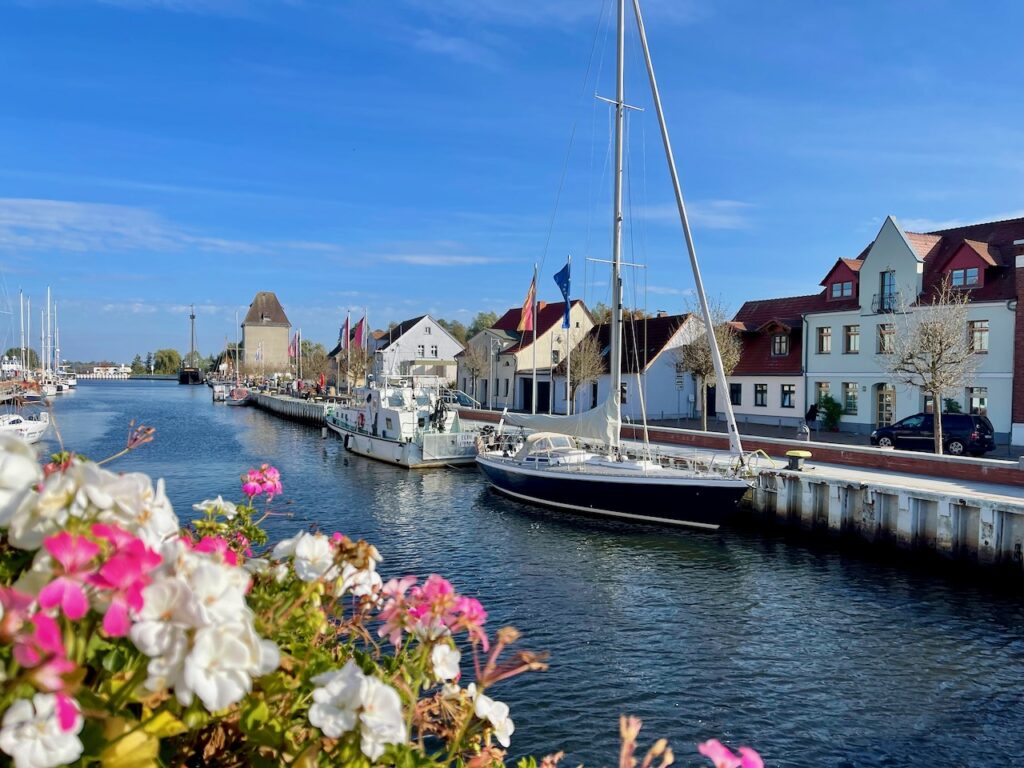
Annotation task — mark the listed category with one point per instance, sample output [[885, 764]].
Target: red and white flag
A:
[[360, 330], [293, 346]]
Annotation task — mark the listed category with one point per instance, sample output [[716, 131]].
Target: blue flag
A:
[[562, 281]]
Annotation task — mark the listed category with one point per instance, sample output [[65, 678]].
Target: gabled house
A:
[[654, 381], [418, 348], [847, 329], [506, 381]]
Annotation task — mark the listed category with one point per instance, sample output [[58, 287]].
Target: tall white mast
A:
[[734, 435], [28, 332], [615, 360], [21, 325], [56, 340], [49, 333]]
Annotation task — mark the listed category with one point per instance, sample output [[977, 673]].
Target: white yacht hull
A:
[[432, 450]]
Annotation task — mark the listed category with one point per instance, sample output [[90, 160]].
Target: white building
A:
[[654, 381], [418, 348], [840, 335]]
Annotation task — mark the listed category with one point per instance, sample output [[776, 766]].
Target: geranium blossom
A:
[[74, 554], [217, 506], [445, 662], [723, 757], [32, 735], [495, 712]]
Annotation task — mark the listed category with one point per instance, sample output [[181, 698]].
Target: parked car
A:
[[456, 398], [961, 433]]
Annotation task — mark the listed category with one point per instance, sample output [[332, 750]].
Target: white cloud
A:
[[458, 48], [68, 226], [704, 214], [439, 259], [934, 225]]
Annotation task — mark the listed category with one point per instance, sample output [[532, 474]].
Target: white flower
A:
[[256, 565], [346, 698], [32, 736], [217, 506], [286, 547], [360, 582], [381, 720], [19, 473], [223, 660], [279, 572], [336, 700], [219, 591], [314, 558], [445, 661], [495, 712]]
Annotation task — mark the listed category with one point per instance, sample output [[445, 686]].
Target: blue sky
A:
[[406, 155]]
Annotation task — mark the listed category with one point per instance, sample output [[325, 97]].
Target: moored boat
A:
[[404, 425], [30, 429], [238, 396]]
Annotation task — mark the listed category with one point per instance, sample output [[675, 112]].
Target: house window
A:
[[850, 398], [506, 388], [735, 393], [433, 350], [780, 345], [788, 396], [825, 340], [851, 339], [965, 278], [419, 351], [822, 389], [977, 400], [886, 338], [426, 330], [887, 291], [555, 356], [761, 395], [977, 333], [842, 290]]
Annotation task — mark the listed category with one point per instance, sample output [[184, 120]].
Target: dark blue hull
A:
[[701, 502]]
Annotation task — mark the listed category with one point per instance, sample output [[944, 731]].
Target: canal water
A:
[[813, 657]]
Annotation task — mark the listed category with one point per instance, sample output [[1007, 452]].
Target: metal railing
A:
[[886, 302]]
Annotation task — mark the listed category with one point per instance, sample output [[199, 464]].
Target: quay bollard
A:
[[796, 460]]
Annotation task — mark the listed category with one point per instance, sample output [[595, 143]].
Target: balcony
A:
[[886, 302]]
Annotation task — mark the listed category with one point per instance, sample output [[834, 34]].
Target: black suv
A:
[[961, 433]]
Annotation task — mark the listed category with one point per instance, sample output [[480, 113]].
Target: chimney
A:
[[661, 313], [1017, 413]]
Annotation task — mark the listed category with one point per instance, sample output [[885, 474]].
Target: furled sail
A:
[[600, 423]]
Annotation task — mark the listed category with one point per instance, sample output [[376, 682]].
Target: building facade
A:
[[266, 334], [418, 348]]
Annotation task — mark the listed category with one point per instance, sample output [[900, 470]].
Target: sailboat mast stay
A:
[[734, 436], [615, 359]]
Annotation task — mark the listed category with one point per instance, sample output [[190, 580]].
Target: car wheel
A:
[[885, 442], [955, 448]]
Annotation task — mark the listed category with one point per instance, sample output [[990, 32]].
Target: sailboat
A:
[[189, 372], [238, 395], [549, 468]]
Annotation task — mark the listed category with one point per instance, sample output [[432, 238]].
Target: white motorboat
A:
[[220, 392], [30, 429], [405, 425], [551, 470]]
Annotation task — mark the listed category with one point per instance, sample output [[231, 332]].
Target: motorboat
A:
[[30, 429]]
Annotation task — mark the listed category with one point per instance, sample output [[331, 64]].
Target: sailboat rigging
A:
[[189, 372], [550, 470]]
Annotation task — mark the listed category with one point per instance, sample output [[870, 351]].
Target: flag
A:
[[562, 281], [359, 330], [343, 335], [526, 316], [293, 345]]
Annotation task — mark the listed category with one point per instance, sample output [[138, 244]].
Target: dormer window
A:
[[965, 278], [842, 290], [780, 345]]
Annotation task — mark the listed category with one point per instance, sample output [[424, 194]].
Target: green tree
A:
[[138, 366], [166, 361], [455, 328], [480, 322], [314, 360], [15, 352], [149, 362]]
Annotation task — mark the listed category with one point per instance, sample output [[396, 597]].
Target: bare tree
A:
[[586, 366], [476, 361], [932, 349], [696, 356], [353, 365]]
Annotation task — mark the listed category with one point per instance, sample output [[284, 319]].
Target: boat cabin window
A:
[[387, 422], [553, 443]]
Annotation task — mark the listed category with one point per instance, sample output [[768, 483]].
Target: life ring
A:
[[362, 421]]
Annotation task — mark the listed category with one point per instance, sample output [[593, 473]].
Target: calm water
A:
[[814, 658]]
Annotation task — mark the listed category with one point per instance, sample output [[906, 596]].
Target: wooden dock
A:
[[296, 409]]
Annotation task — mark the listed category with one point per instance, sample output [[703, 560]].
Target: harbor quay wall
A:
[[306, 411]]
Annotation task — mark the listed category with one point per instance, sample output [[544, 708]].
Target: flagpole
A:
[[533, 404], [568, 352], [348, 351]]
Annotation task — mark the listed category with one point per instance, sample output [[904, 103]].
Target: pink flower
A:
[[44, 642], [16, 609], [74, 553], [67, 712], [394, 613], [118, 537], [471, 618], [723, 757], [124, 576], [217, 545], [252, 489]]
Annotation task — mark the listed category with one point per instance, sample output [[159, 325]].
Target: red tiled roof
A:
[[547, 317], [789, 309], [982, 249], [997, 238], [922, 244], [642, 340], [756, 355]]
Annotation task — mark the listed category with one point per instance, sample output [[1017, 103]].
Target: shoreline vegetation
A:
[[129, 640]]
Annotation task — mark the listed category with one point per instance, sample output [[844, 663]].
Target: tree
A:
[[482, 321], [314, 360], [585, 364], [15, 352], [477, 361], [603, 313], [696, 356], [455, 328], [933, 350], [166, 361], [138, 366], [149, 362], [354, 365]]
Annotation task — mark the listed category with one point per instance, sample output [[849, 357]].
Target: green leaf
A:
[[254, 715]]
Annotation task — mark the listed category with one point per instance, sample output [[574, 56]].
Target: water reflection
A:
[[815, 657]]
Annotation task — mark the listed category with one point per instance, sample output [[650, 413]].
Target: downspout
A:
[[803, 363]]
